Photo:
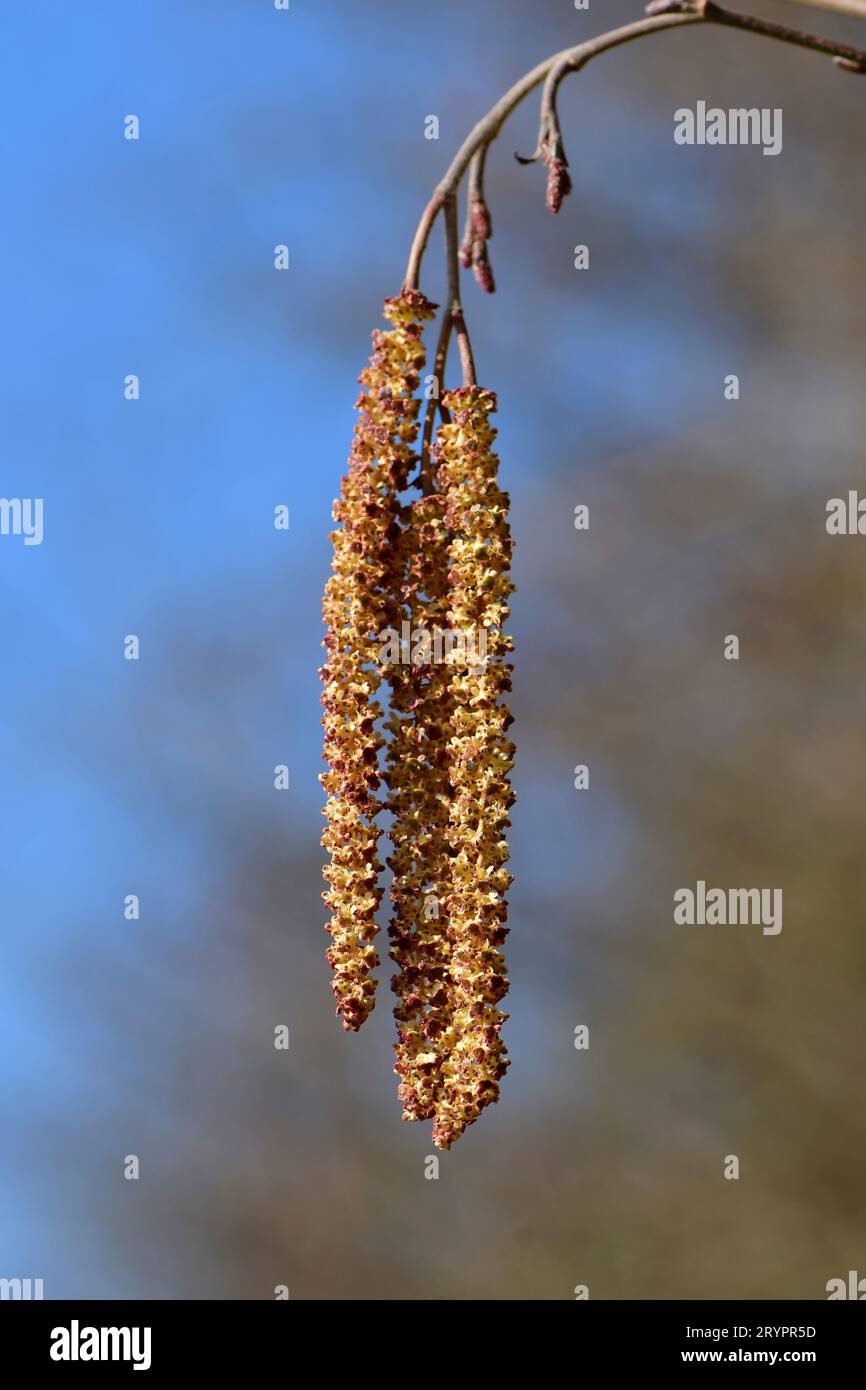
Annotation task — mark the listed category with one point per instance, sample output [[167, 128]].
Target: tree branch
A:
[[853, 59], [662, 14], [489, 126]]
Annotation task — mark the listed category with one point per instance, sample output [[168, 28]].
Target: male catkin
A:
[[357, 605]]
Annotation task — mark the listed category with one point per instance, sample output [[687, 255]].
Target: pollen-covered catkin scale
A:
[[358, 604], [480, 758], [419, 791]]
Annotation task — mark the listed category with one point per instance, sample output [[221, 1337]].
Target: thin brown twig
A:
[[667, 14], [455, 307], [453, 321], [711, 13], [661, 14], [422, 236], [474, 194], [489, 126], [425, 477], [476, 177]]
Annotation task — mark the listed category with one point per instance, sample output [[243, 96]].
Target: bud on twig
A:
[[481, 266], [558, 184], [480, 217], [551, 150]]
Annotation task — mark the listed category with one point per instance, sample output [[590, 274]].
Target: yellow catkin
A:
[[480, 757], [419, 787], [358, 605]]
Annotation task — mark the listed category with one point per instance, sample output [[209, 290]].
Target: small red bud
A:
[[558, 185], [482, 267], [481, 223]]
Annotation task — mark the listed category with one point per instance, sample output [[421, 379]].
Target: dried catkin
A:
[[479, 759], [418, 780], [358, 604]]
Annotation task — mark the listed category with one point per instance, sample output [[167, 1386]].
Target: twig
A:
[[854, 59], [425, 478], [453, 321], [664, 14], [474, 255], [489, 126], [474, 198], [455, 307], [422, 236]]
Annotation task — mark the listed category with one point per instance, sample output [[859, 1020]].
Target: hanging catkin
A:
[[358, 605], [440, 564], [418, 781], [480, 758]]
